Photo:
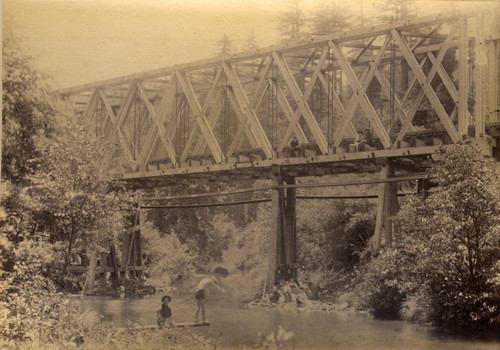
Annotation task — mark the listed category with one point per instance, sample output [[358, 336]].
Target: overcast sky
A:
[[81, 41]]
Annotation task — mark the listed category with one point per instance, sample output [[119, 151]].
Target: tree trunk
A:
[[89, 290], [70, 247]]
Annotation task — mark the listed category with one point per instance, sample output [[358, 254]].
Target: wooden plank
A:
[[201, 119], [212, 118], [156, 118], [301, 100], [463, 78], [429, 92], [493, 83], [242, 120], [257, 99], [247, 109], [164, 110], [360, 95], [386, 88], [175, 325], [480, 64], [117, 130], [338, 106], [285, 107], [275, 237], [379, 222], [91, 106]]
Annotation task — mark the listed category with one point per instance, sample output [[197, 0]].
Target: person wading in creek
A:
[[205, 283]]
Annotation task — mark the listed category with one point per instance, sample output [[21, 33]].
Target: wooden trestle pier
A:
[[384, 99]]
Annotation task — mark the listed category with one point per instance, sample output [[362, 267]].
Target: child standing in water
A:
[[165, 313], [201, 291]]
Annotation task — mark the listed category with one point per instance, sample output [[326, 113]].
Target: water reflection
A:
[[239, 325]]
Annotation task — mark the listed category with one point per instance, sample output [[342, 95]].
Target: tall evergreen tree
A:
[[329, 18], [226, 46], [292, 21]]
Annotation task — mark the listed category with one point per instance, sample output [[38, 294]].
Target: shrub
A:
[[445, 262]]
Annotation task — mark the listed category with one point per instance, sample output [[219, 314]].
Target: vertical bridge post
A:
[[282, 262], [387, 206]]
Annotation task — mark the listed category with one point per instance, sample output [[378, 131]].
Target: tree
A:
[[329, 18], [447, 253], [394, 10], [26, 113], [70, 197], [172, 269], [226, 46], [292, 21], [251, 43]]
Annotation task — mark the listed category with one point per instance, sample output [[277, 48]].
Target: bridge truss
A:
[[384, 98]]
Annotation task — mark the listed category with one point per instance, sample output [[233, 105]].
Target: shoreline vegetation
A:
[[59, 208]]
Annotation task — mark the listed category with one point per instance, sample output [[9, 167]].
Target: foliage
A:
[[292, 21], [247, 251], [26, 113], [30, 308], [332, 234], [252, 43], [69, 197], [167, 259], [446, 257], [60, 193], [226, 46], [394, 10], [329, 18]]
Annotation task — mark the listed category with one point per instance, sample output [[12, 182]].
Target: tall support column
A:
[[290, 231], [89, 286], [481, 61], [493, 90], [387, 206], [282, 263], [138, 246], [275, 241], [463, 79]]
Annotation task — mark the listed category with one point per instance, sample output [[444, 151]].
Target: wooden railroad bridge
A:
[[383, 99]]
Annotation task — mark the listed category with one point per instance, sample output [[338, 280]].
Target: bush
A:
[[445, 262], [168, 261]]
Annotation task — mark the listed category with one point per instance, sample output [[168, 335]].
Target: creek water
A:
[[238, 325]]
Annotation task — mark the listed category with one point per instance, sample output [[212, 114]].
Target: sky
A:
[[81, 41]]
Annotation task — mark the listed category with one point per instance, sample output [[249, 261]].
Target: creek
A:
[[238, 324]]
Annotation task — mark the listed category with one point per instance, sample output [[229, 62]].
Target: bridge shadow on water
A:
[[239, 325]]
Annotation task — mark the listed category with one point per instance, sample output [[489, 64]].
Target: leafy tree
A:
[[168, 260], [447, 248], [26, 112], [70, 197]]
